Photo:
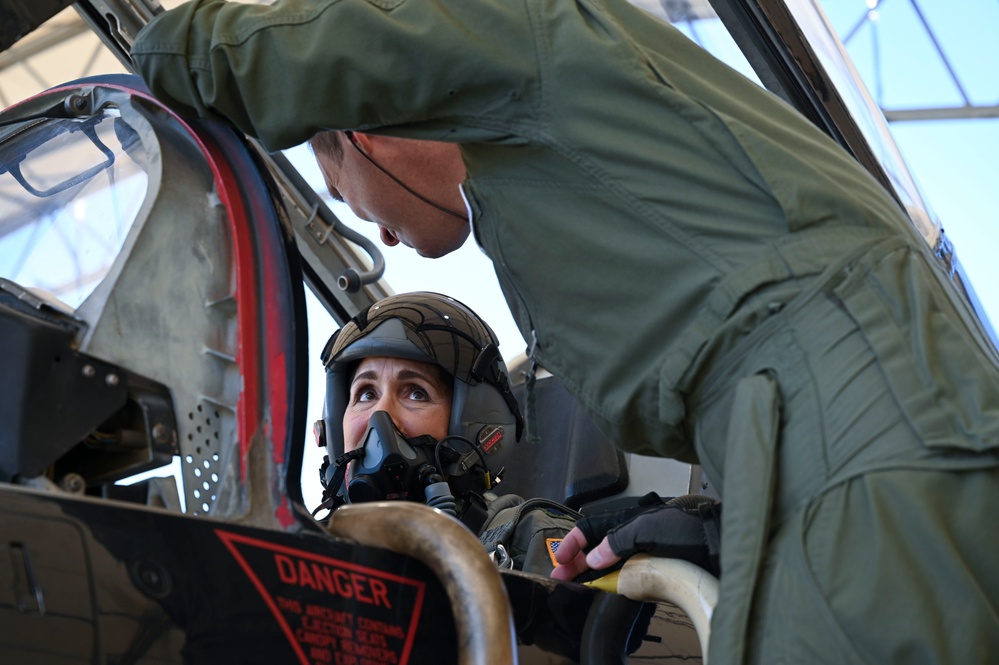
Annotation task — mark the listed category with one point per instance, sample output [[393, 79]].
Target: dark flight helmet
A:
[[434, 328]]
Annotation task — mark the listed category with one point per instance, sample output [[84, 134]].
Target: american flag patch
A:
[[551, 544]]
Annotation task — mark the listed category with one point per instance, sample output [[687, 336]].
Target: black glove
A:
[[685, 527]]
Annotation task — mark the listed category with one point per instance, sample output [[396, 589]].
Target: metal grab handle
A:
[[689, 587], [478, 598]]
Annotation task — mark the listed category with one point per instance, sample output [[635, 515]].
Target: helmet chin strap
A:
[[353, 142]]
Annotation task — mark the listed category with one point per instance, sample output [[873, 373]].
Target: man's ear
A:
[[385, 149], [368, 143]]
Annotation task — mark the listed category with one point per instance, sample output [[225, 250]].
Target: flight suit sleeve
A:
[[429, 68]]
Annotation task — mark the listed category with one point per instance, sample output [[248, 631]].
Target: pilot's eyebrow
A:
[[366, 375]]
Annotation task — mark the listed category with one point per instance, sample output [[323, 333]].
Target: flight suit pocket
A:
[[932, 353], [750, 478]]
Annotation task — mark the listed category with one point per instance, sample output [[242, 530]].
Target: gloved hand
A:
[[686, 527]]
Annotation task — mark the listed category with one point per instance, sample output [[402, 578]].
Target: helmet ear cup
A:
[[482, 414], [334, 408], [485, 422]]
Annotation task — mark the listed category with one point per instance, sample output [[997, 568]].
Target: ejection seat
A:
[[564, 457]]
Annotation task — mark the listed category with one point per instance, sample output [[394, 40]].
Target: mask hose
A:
[[439, 496], [437, 491]]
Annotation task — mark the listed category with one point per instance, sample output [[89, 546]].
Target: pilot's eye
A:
[[365, 394], [418, 393]]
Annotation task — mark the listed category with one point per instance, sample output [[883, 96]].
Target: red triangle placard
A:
[[332, 611]]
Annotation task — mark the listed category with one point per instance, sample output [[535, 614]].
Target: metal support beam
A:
[[942, 113]]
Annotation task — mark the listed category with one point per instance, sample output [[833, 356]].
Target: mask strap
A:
[[331, 488]]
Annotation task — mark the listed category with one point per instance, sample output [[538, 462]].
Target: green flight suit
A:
[[710, 276]]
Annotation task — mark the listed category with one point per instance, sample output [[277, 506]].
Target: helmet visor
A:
[[433, 329]]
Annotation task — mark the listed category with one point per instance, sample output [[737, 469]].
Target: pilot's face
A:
[[415, 394], [432, 169]]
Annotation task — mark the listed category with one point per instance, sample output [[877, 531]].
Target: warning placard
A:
[[332, 611]]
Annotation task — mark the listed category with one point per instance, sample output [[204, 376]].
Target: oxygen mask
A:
[[389, 466]]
